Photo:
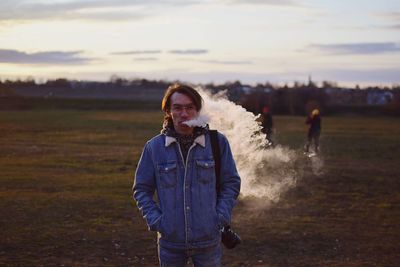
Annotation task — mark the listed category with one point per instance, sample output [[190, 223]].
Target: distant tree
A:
[[60, 82], [328, 84], [311, 105], [118, 81], [256, 100]]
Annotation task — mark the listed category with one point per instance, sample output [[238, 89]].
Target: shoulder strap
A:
[[217, 157]]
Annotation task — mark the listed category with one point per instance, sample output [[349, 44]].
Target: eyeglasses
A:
[[179, 108]]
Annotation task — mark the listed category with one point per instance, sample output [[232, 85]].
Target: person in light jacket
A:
[[178, 165]]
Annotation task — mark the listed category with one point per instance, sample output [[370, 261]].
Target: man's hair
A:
[[182, 89]]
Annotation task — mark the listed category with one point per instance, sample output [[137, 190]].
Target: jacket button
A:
[[206, 164], [188, 208], [166, 169]]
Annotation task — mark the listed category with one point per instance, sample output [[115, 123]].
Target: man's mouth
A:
[[183, 123]]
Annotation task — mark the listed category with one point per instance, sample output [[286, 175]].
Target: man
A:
[[178, 164], [314, 131], [267, 124]]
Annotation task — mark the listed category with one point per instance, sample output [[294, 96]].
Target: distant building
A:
[[246, 89], [379, 97]]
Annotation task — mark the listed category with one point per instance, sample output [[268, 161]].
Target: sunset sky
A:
[[350, 42]]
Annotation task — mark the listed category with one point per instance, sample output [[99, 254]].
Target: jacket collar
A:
[[201, 140]]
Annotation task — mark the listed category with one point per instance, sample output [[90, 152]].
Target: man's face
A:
[[182, 109]]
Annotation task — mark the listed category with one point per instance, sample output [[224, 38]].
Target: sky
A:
[[200, 41]]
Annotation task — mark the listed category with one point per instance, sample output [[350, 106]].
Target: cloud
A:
[[373, 76], [368, 76], [145, 59], [188, 52], [347, 76], [48, 57], [266, 2], [394, 27], [224, 62], [26, 11], [357, 48], [91, 10], [137, 52], [117, 10], [392, 17], [230, 62]]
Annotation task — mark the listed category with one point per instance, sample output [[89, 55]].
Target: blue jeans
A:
[[201, 257]]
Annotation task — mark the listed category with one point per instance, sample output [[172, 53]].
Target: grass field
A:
[[65, 194]]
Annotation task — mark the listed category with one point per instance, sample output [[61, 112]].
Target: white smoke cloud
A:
[[265, 172], [199, 121]]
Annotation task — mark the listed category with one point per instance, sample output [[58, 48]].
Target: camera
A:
[[229, 238]]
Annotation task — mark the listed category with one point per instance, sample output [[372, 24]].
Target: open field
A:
[[65, 194]]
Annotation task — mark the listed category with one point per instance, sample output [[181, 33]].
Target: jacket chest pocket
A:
[[205, 170], [168, 174]]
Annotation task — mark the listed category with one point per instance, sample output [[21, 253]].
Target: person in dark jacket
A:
[[314, 131], [188, 213], [267, 124]]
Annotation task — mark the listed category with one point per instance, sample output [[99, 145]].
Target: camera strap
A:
[[217, 158], [228, 237]]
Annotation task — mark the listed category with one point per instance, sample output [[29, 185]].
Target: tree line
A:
[[294, 99]]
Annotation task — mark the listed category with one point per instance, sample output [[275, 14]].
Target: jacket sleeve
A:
[[230, 183], [144, 188]]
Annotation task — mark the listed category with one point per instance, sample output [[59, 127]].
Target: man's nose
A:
[[184, 112]]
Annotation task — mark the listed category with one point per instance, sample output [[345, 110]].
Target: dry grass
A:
[[65, 194]]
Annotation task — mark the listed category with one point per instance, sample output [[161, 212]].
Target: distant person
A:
[[314, 131], [178, 165], [267, 124]]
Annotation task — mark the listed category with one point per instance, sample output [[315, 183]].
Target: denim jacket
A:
[[187, 212]]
